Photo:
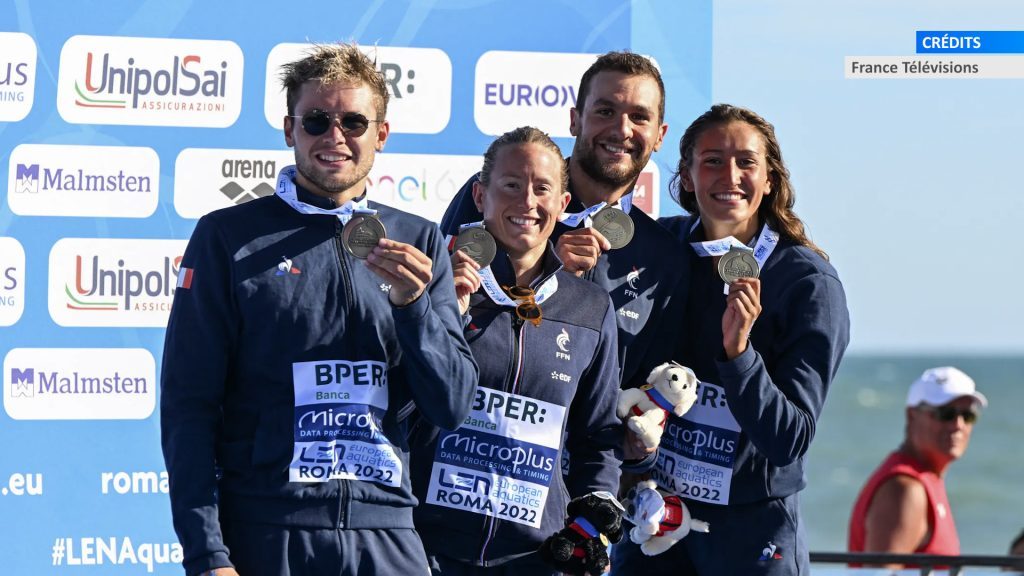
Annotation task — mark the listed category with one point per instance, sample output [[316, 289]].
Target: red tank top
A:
[[944, 539]]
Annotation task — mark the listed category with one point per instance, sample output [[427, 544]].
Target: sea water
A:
[[863, 421]]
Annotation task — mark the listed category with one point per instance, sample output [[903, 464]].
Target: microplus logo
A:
[[150, 81], [106, 282], [17, 75], [12, 281], [422, 184], [79, 383], [207, 179], [84, 181], [418, 80]]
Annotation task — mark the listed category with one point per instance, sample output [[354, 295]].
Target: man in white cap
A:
[[903, 508]]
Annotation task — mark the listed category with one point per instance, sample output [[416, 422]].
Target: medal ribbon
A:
[[766, 243], [573, 219], [493, 289], [286, 191]]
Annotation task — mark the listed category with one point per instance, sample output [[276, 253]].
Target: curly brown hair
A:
[[777, 208]]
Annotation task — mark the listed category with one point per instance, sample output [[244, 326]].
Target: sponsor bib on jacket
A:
[[698, 450], [501, 461], [339, 406]]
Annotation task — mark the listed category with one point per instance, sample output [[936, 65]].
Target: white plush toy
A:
[[670, 388], [659, 521]]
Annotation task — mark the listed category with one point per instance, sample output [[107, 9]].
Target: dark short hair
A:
[[333, 64], [628, 63]]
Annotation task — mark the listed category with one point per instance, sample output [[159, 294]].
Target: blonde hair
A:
[[338, 63]]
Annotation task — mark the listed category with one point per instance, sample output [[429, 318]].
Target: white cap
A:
[[938, 386]]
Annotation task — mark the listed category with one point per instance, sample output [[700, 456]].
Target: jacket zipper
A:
[[511, 385], [346, 279]]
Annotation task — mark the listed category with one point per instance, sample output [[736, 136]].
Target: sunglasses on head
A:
[[527, 308], [950, 413], [317, 122]]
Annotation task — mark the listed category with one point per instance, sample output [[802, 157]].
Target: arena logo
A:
[[83, 181], [12, 281], [417, 79], [79, 383], [17, 75], [150, 81], [107, 282], [208, 179], [422, 184]]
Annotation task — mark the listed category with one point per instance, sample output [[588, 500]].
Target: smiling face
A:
[[334, 164], [730, 177], [617, 128], [523, 198]]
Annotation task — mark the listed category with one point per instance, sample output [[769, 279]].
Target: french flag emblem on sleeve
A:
[[184, 278]]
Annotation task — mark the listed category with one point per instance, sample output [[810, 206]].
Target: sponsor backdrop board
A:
[[122, 123]]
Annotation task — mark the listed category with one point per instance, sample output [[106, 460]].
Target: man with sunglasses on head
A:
[[305, 327], [618, 122], [903, 508]]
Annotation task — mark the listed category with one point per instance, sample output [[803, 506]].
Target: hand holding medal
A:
[[401, 265], [737, 263]]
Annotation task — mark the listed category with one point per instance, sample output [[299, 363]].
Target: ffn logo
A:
[[562, 341]]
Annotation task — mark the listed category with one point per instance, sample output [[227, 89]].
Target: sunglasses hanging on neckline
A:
[[527, 308]]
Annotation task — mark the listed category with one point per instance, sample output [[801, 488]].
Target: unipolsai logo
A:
[[150, 81], [17, 75], [417, 79], [12, 281], [107, 282], [207, 179]]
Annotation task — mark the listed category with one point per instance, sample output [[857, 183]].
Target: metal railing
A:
[[926, 563]]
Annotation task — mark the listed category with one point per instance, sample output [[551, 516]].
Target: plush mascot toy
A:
[[670, 388], [659, 520], [581, 547]]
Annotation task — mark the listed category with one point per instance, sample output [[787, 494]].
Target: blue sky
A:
[[912, 186]]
